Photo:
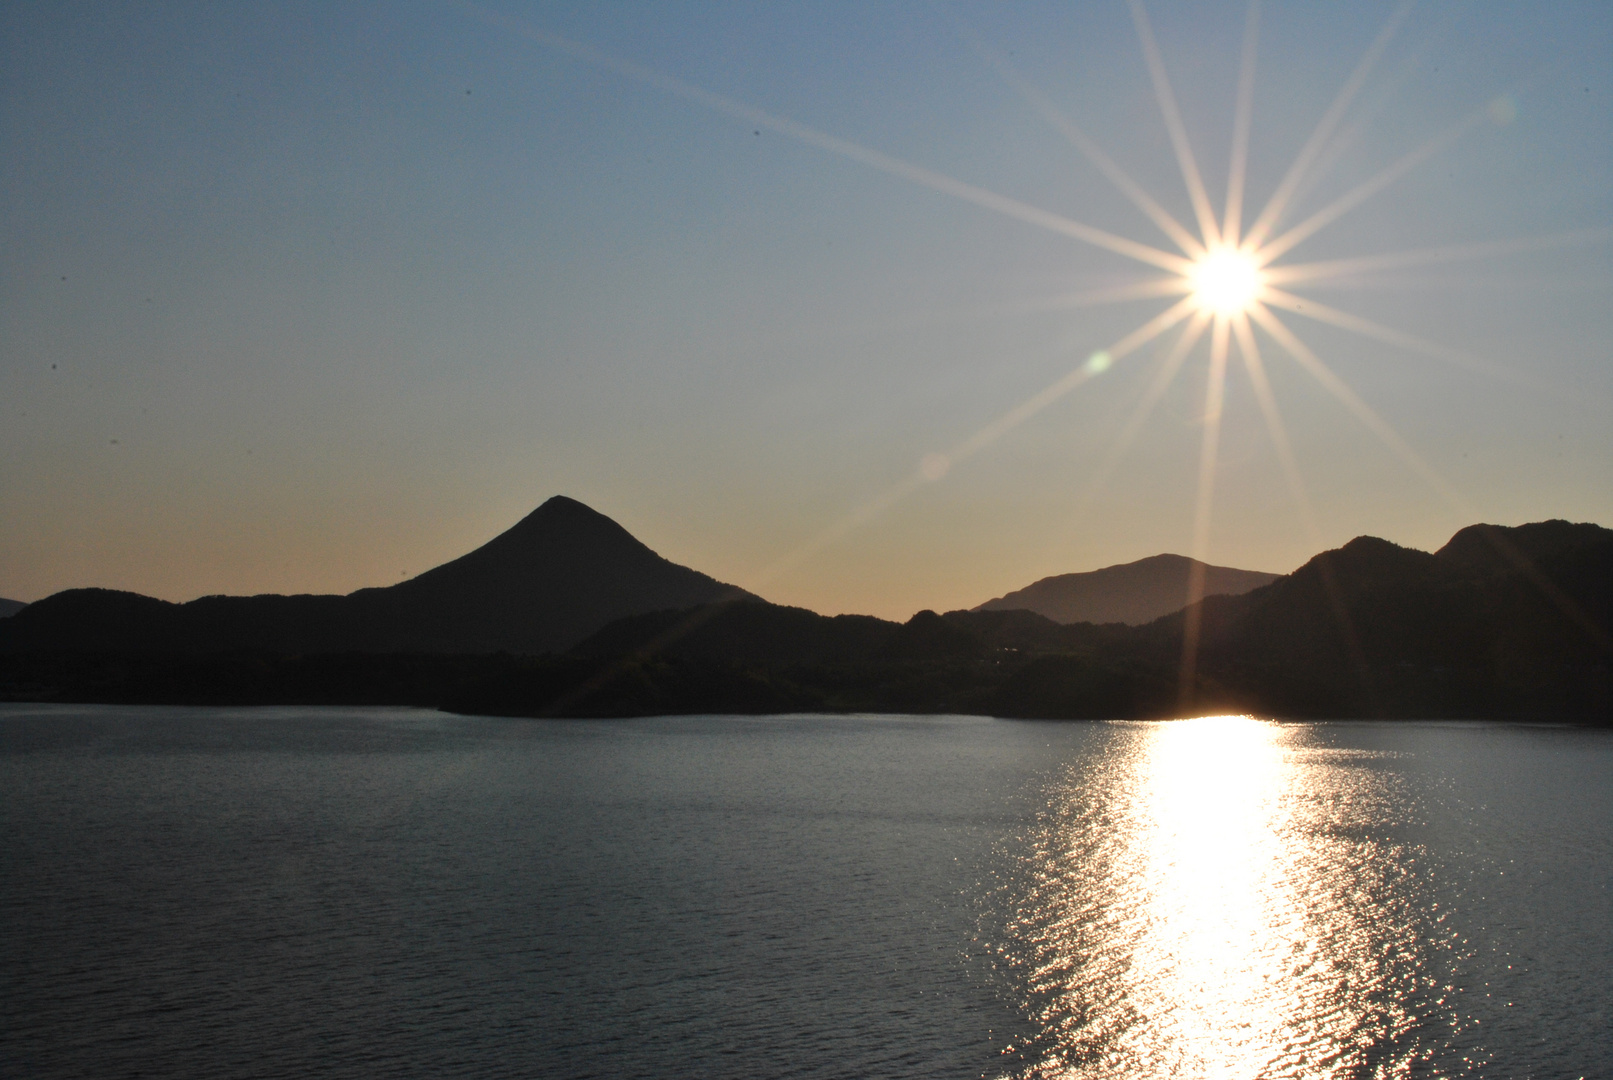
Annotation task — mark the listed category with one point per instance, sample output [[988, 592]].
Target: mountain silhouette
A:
[[568, 615], [749, 632], [1133, 593], [756, 632], [561, 573], [1499, 622], [1493, 549], [10, 607]]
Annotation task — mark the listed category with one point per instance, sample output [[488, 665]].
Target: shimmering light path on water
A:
[[1223, 897], [306, 892]]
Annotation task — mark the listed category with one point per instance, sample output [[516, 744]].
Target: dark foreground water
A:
[[312, 892]]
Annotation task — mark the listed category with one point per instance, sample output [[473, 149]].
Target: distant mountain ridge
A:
[[1133, 593], [561, 573], [1513, 623], [1501, 621], [10, 607]]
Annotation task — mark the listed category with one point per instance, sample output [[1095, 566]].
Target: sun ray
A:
[[1215, 299], [1192, 617], [1163, 377], [1387, 88], [1453, 499], [1151, 289], [1314, 309], [1363, 412], [839, 530], [1336, 150], [1278, 203], [1242, 118], [1128, 187], [1173, 124], [1366, 189], [937, 465], [1468, 282], [1129, 292], [1294, 273], [893, 166], [1249, 353], [1133, 341], [1214, 399], [1365, 110]]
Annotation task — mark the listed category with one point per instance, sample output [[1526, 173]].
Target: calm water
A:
[[400, 893]]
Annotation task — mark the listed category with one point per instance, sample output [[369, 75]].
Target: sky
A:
[[314, 297]]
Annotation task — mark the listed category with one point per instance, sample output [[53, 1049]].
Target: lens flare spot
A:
[[934, 466], [1226, 281], [1099, 362]]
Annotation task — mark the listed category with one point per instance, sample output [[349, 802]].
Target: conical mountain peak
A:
[[555, 577], [561, 530]]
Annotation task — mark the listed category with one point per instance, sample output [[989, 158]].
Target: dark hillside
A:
[[1134, 593], [750, 631], [1373, 629], [560, 574], [1498, 549], [1500, 623]]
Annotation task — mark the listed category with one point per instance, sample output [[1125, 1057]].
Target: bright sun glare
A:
[[1225, 282], [1227, 278]]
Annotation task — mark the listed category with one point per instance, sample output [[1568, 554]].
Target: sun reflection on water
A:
[[1223, 900]]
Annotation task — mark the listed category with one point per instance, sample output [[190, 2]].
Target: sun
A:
[[1226, 276], [1226, 282]]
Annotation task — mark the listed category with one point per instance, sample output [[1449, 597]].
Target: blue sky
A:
[[312, 297]]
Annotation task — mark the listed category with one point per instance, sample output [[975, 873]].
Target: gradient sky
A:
[[311, 297]]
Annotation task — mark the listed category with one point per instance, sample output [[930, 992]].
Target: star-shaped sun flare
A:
[[1225, 282]]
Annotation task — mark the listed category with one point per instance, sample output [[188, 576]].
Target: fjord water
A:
[[300, 892]]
